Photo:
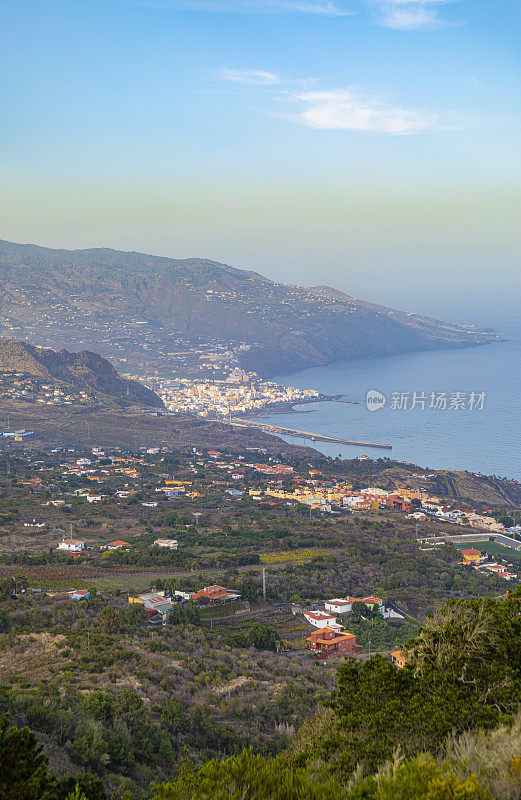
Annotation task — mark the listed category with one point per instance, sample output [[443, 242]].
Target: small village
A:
[[109, 476], [31, 389], [71, 489]]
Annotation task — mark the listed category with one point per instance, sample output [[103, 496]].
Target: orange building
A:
[[215, 594], [331, 642], [398, 659]]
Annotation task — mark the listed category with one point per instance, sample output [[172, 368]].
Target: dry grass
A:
[[494, 756], [32, 656]]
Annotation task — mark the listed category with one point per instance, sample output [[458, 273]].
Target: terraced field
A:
[[292, 630], [298, 556]]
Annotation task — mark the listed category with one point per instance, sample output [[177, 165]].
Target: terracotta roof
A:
[[338, 636]]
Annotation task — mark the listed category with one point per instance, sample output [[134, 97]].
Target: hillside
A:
[[286, 327], [75, 371], [466, 487]]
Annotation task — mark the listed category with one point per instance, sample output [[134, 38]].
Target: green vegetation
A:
[[73, 372], [381, 634], [261, 636], [224, 700], [445, 727]]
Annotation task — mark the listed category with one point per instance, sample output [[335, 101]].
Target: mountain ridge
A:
[[286, 327]]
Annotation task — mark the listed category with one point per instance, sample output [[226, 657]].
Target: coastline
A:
[[290, 408], [493, 338], [480, 441]]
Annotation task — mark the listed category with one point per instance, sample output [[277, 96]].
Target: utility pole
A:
[[264, 583]]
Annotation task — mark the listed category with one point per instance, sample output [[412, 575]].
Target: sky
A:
[[373, 145]]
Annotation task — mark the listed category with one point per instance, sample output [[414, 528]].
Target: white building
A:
[[184, 594], [339, 605], [94, 498], [390, 613], [72, 545], [319, 619]]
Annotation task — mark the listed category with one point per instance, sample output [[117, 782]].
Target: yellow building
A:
[[470, 556]]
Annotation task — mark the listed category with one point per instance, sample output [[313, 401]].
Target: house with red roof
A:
[[328, 642], [215, 594]]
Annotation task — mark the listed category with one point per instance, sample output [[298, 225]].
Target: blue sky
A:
[[369, 144]]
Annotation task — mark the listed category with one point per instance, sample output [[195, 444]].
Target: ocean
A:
[[479, 429]]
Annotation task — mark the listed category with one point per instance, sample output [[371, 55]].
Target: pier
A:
[[314, 437], [347, 402]]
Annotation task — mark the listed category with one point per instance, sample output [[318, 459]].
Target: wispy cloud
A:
[[250, 77], [409, 15], [331, 8], [342, 109]]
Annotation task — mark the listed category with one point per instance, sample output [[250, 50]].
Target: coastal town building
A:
[[238, 393], [471, 556]]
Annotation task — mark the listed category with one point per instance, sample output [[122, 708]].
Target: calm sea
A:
[[486, 440]]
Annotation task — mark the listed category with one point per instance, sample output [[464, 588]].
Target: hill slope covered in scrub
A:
[[85, 370], [287, 327]]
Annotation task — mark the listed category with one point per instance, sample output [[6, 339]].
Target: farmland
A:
[[493, 549], [299, 556], [218, 675], [292, 629]]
